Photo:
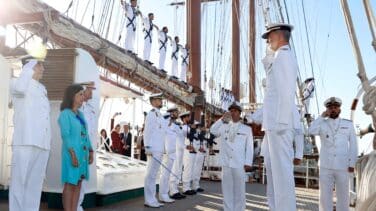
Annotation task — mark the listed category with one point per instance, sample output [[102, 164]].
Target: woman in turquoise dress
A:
[[77, 152]]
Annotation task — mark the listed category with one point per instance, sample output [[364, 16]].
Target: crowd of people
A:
[[177, 145]]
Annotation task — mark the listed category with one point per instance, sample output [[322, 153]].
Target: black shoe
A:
[[190, 192], [200, 190], [149, 62], [177, 196], [129, 51]]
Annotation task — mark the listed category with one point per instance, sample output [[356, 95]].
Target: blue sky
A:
[[333, 60]]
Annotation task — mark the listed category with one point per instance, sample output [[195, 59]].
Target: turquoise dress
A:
[[73, 129]]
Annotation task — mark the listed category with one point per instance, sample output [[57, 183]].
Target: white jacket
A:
[[236, 143], [280, 88], [339, 149], [32, 126], [155, 131]]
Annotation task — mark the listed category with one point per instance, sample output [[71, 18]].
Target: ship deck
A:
[[210, 199]]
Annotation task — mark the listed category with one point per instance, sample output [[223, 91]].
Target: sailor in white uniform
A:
[[236, 153], [154, 135], [278, 115], [184, 63], [189, 159], [172, 133], [163, 39], [257, 118], [31, 141], [177, 168], [200, 157], [175, 57], [148, 36], [338, 155], [90, 113], [131, 11]]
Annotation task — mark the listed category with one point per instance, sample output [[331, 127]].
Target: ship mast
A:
[[235, 50], [252, 53]]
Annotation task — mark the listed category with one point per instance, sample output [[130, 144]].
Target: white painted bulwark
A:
[[5, 123]]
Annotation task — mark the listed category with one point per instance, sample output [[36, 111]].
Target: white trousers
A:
[[174, 67], [183, 73], [197, 169], [151, 176], [281, 154], [177, 169], [233, 188], [27, 174], [269, 175], [164, 186], [129, 39], [147, 49], [188, 163], [328, 179], [162, 59]]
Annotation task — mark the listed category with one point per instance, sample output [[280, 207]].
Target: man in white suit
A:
[[31, 141], [338, 155], [154, 136], [236, 153], [278, 115]]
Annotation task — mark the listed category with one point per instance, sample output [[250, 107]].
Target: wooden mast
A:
[[252, 44], [235, 50], [194, 42]]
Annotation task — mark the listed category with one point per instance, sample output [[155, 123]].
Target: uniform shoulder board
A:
[[152, 110], [348, 120], [284, 49]]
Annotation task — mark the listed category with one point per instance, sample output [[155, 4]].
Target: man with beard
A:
[[338, 154]]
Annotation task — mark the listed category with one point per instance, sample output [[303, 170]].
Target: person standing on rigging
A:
[[131, 11], [163, 39], [148, 37], [184, 63], [278, 114], [175, 57]]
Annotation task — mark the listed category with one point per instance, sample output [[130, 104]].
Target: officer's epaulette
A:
[[349, 120], [152, 110], [284, 49]]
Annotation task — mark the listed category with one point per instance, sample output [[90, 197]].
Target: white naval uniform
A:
[[174, 58], [197, 166], [91, 117], [178, 164], [257, 117], [189, 160], [148, 37], [278, 124], [131, 15], [154, 135], [172, 134], [31, 141], [236, 150], [163, 39], [338, 152], [184, 64]]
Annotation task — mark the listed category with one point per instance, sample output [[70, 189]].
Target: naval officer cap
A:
[[88, 84], [333, 101], [276, 26], [187, 113], [172, 109], [156, 96], [236, 105]]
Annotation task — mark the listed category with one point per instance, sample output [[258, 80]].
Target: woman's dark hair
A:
[[69, 94], [103, 130]]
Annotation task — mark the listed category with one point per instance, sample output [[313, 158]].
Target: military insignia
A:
[[327, 136], [344, 128]]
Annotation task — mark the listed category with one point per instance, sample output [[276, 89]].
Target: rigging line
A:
[[103, 18], [84, 14], [309, 53], [109, 20], [75, 11], [92, 17], [67, 10], [212, 65]]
